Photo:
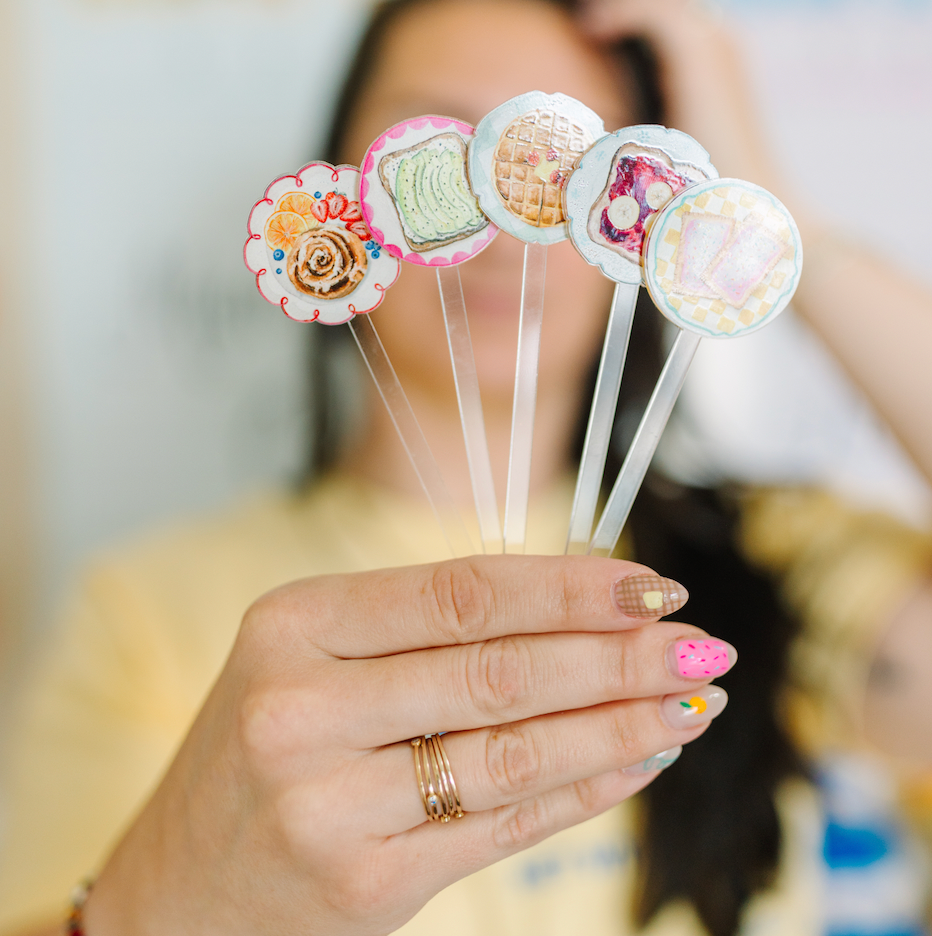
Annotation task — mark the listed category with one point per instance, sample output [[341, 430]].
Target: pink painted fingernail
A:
[[649, 595], [686, 710], [702, 659], [658, 762]]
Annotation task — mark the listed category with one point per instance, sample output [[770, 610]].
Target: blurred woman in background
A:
[[292, 805]]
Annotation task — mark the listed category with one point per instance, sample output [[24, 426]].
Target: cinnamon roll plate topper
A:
[[610, 201], [312, 254], [722, 259], [311, 250]]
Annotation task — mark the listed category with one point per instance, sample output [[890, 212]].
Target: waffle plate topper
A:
[[610, 201], [521, 157], [311, 250], [417, 200], [519, 161], [415, 193], [722, 259], [313, 255]]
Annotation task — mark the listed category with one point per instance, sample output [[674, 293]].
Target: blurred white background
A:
[[158, 382]]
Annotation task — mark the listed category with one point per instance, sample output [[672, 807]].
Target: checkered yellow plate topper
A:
[[723, 258]]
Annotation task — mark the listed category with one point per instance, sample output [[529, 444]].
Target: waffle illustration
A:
[[533, 160]]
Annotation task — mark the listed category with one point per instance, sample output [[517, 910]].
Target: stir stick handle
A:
[[644, 444], [412, 438], [601, 417], [470, 403], [525, 398]]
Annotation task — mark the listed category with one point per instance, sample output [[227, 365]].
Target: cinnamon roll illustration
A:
[[327, 263]]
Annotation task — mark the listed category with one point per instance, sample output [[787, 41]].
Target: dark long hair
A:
[[717, 856]]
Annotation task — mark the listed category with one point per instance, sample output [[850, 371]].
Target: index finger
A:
[[369, 614]]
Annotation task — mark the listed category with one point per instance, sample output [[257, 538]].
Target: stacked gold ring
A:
[[435, 779]]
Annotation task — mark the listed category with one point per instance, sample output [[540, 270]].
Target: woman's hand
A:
[[293, 804]]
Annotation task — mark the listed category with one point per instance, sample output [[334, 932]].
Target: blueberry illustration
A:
[[279, 255]]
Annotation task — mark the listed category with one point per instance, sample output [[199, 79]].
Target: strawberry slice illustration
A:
[[353, 212], [319, 210], [360, 229], [336, 204], [533, 158]]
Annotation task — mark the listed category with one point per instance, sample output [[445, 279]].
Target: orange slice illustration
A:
[[300, 204], [284, 228]]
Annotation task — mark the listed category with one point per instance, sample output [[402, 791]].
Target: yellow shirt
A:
[[148, 633]]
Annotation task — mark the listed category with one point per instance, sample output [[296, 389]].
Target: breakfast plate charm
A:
[[723, 258], [619, 186], [415, 193], [521, 158], [311, 250]]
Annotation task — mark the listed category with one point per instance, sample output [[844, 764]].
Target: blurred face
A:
[[463, 60]]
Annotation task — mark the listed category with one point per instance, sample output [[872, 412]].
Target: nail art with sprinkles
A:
[[703, 659]]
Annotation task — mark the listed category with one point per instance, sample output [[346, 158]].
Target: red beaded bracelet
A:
[[76, 916]]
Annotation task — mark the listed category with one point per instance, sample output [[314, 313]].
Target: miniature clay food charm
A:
[[415, 193], [521, 158], [640, 183], [535, 155], [312, 251], [723, 258], [613, 196], [427, 182], [327, 264]]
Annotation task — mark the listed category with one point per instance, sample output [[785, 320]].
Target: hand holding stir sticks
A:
[[720, 258]]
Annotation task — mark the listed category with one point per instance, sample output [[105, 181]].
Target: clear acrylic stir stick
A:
[[412, 438], [525, 399], [470, 404], [644, 444], [601, 417]]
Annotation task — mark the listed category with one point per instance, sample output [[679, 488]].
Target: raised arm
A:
[[875, 319]]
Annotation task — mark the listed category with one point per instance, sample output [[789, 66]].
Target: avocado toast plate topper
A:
[[519, 161], [418, 203], [611, 200], [313, 255]]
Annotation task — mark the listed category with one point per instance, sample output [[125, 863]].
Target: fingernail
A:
[[701, 659], [649, 596], [658, 762], [686, 710]]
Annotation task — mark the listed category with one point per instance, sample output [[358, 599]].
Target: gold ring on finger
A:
[[435, 779]]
